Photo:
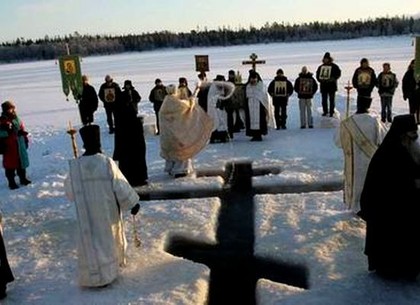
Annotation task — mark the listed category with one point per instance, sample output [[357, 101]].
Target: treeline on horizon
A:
[[86, 45]]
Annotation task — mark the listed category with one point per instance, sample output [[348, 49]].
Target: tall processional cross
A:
[[253, 61]]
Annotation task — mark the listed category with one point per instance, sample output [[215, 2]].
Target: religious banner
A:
[[280, 88], [417, 60], [202, 63], [325, 72], [71, 75]]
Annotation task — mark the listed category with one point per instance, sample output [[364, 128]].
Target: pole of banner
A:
[[137, 242], [348, 89], [72, 131]]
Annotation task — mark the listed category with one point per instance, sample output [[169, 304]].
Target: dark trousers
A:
[[280, 114], [325, 97], [109, 110], [11, 173]]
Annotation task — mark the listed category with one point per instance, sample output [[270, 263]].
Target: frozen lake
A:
[[42, 83]]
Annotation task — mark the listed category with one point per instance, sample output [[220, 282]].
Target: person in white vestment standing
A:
[[100, 192], [185, 131], [358, 136], [219, 93], [258, 111]]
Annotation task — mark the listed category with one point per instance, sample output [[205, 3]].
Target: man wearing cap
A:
[[15, 140], [156, 97], [109, 93], [390, 203], [100, 192], [327, 74]]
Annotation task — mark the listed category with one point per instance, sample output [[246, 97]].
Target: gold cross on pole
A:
[[253, 61]]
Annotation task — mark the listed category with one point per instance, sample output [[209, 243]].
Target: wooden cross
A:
[[253, 61]]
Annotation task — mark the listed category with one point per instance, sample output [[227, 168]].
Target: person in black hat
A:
[[156, 97], [15, 139], [127, 105], [184, 91], [390, 203], [101, 193], [129, 142], [327, 75]]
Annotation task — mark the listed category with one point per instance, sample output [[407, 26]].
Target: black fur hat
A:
[[91, 137]]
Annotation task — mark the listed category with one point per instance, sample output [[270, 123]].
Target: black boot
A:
[[10, 175], [22, 177]]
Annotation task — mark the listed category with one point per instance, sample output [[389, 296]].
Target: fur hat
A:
[[128, 83], [220, 78], [327, 55], [91, 137], [7, 105], [404, 123]]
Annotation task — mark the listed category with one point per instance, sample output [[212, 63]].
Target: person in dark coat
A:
[[109, 93], [305, 87], [364, 80], [387, 83], [327, 74], [129, 142], [156, 97], [15, 137], [390, 203], [280, 89], [6, 274], [409, 91], [88, 102]]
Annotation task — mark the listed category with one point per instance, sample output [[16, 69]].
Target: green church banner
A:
[[71, 75], [417, 60]]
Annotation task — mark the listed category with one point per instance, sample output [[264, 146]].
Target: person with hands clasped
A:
[[14, 141]]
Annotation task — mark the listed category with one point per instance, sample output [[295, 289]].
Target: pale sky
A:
[[37, 18]]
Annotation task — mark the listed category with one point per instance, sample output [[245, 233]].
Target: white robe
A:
[[359, 136], [219, 90], [257, 95], [100, 192]]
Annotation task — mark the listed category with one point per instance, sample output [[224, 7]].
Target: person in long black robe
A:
[[129, 142], [6, 275], [390, 203]]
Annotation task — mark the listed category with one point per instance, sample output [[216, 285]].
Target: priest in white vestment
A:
[[258, 110], [219, 91], [100, 192], [185, 131], [358, 136]]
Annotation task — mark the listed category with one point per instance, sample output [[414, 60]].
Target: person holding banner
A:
[[88, 103]]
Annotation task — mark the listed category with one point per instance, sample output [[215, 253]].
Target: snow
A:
[[312, 229]]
